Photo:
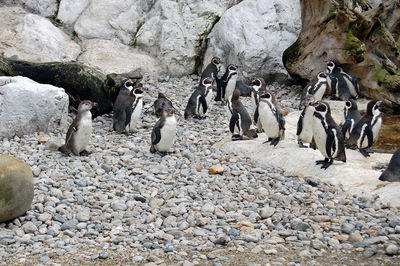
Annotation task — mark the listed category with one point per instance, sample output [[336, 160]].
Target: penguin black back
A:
[[392, 172], [161, 104], [351, 116], [212, 69], [124, 100]]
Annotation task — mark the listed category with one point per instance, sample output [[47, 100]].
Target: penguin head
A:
[[350, 104], [161, 95], [128, 84], [257, 83], [322, 107], [138, 92], [330, 66], [168, 112], [216, 61], [207, 82], [322, 76], [267, 96], [373, 108], [232, 69], [86, 106]]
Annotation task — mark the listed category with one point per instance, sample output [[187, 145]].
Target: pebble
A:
[[392, 249], [191, 202]]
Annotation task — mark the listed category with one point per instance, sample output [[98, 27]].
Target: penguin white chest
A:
[[320, 91], [228, 110], [306, 133], [320, 135], [376, 127], [168, 134], [135, 116], [268, 120], [253, 102], [230, 87], [83, 134]]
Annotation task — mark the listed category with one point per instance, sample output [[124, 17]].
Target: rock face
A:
[[45, 8], [34, 38], [363, 40], [254, 34], [36, 107], [16, 188]]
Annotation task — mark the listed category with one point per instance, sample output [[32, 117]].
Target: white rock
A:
[[115, 57], [36, 107], [45, 8], [254, 35], [70, 10], [34, 38]]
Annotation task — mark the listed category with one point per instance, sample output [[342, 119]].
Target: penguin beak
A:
[[316, 104]]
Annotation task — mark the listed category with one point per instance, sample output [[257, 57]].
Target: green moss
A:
[[385, 79], [291, 54], [354, 47]]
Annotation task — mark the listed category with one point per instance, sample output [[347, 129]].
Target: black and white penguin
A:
[[199, 100], [212, 69], [256, 85], [240, 122], [123, 106], [133, 113], [327, 135], [351, 117], [80, 131], [392, 172], [164, 132], [365, 132], [227, 83], [161, 104], [343, 84], [304, 124], [315, 87], [271, 117]]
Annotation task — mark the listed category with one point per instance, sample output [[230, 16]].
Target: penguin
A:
[[80, 131], [351, 117], [244, 89], [240, 121], [226, 84], [212, 69], [392, 172], [366, 131], [271, 117], [327, 135], [122, 104], [315, 87], [198, 102], [161, 104], [164, 132], [342, 84], [256, 85], [304, 124], [134, 111]]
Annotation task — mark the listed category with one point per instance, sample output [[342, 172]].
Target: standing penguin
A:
[[271, 117], [342, 84], [327, 135], [366, 131], [351, 117], [316, 87], [164, 132], [79, 132], [304, 124], [392, 172], [133, 113], [161, 104], [122, 104], [199, 100], [240, 121], [212, 69], [257, 85], [227, 83]]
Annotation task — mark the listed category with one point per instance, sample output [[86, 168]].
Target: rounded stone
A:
[[16, 188], [392, 249]]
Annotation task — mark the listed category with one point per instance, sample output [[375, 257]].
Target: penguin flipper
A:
[[203, 103], [128, 114], [346, 127], [256, 115], [330, 142], [233, 121], [300, 123], [156, 134], [370, 136]]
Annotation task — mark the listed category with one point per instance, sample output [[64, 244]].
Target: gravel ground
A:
[[123, 205]]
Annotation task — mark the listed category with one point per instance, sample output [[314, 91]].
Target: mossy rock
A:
[[354, 47], [291, 54], [16, 188]]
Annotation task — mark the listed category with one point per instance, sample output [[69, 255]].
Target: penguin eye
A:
[[348, 104], [268, 95]]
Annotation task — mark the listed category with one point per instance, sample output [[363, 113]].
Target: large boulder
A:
[[34, 38], [27, 106], [114, 57], [46, 8], [363, 39], [16, 188], [254, 35]]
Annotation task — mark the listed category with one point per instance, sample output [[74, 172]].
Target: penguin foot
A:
[[322, 161], [301, 145], [200, 117], [275, 141], [84, 153], [268, 140], [327, 164], [236, 137], [365, 152]]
